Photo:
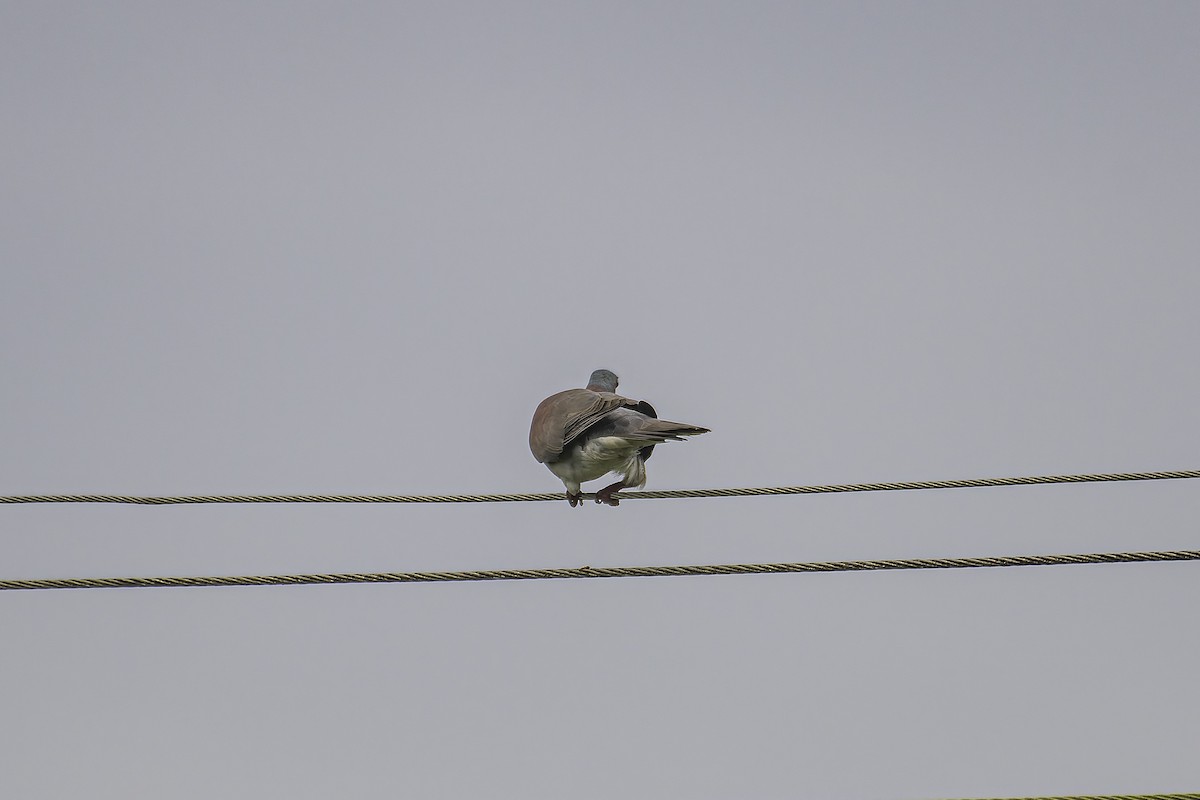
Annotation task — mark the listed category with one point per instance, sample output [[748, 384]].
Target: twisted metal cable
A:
[[1180, 796], [545, 496], [602, 572]]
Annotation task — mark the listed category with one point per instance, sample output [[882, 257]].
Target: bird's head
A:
[[602, 381]]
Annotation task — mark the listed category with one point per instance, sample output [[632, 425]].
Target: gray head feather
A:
[[602, 381]]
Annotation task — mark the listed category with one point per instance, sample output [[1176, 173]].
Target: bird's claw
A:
[[609, 494], [574, 499]]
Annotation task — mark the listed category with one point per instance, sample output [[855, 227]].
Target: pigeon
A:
[[583, 434]]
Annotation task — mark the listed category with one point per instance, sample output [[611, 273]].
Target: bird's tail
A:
[[663, 430]]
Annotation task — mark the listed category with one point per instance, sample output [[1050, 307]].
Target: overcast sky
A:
[[253, 247]]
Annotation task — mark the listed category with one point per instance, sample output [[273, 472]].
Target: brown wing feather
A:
[[649, 411], [561, 418]]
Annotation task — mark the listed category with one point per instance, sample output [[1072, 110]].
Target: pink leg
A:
[[605, 495]]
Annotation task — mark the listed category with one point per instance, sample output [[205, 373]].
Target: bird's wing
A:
[[563, 417], [649, 411]]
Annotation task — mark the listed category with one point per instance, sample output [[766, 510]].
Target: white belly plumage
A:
[[599, 456]]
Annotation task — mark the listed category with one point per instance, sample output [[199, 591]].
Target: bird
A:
[[583, 434]]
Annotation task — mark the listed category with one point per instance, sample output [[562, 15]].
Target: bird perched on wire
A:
[[583, 434]]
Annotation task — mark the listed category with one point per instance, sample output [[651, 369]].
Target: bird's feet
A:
[[574, 499], [607, 494]]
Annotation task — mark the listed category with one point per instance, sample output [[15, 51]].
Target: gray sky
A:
[[300, 247]]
